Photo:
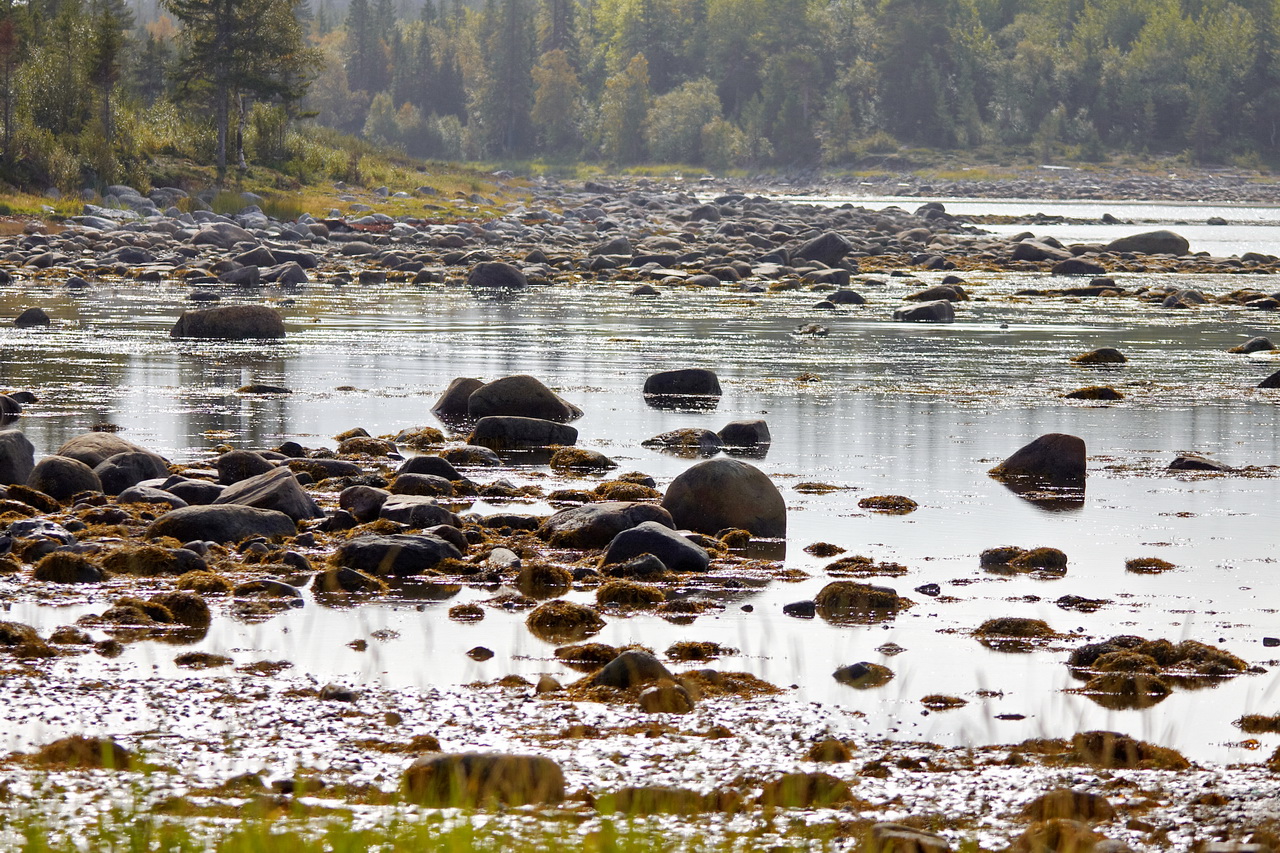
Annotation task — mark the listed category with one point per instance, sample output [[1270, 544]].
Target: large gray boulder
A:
[[398, 554], [31, 318], [223, 235], [119, 472], [222, 523], [1161, 242], [230, 322], [630, 669], [453, 401], [521, 396], [675, 551], [94, 448], [724, 493], [513, 433], [596, 525], [1034, 250], [60, 477], [828, 248], [17, 458], [236, 465], [277, 489], [494, 275], [431, 465], [477, 780], [926, 312], [749, 435], [416, 511], [1055, 458]]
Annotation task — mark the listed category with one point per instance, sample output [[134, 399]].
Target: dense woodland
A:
[[94, 91]]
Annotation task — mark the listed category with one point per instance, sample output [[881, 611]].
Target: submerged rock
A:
[[520, 396], [939, 311], [1057, 458]]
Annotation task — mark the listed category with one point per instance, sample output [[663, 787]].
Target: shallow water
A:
[[921, 411], [1249, 228]]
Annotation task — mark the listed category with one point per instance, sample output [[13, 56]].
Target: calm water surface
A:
[[921, 411]]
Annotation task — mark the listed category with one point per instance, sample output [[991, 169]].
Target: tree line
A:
[[88, 95]]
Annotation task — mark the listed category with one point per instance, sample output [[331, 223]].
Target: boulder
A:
[[453, 402], [474, 780], [432, 466], [399, 554], [722, 493], [520, 396], [1056, 458], [689, 441], [1159, 242], [506, 432], [1195, 462], [828, 248], [939, 311], [416, 511], [277, 489], [897, 838], [363, 502], [93, 448], [1272, 381], [421, 484], [651, 537], [31, 318], [236, 465], [194, 492], [119, 472], [596, 525], [1077, 266], [749, 435], [10, 409], [230, 322], [688, 382], [61, 477], [223, 235], [17, 458], [494, 275], [630, 669], [1253, 345], [150, 495], [222, 523], [1034, 250]]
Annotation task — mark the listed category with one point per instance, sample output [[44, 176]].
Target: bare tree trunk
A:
[[241, 101]]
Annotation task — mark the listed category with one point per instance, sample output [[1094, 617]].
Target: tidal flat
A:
[[325, 680]]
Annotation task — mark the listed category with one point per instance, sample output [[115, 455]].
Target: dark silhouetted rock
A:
[[416, 511], [515, 433], [1159, 242], [827, 248], [631, 668], [751, 435], [688, 382], [93, 448], [1194, 462], [675, 551], [453, 401], [236, 465], [17, 458], [230, 322], [1055, 458], [222, 523], [724, 493], [520, 396], [495, 275], [119, 472], [595, 525], [278, 489], [398, 554], [31, 318], [432, 466], [926, 312], [60, 477]]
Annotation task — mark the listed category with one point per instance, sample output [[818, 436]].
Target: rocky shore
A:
[[162, 549]]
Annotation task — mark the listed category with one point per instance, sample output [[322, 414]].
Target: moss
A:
[[204, 583], [805, 790], [1106, 355], [851, 597], [1015, 626], [142, 561], [422, 438], [829, 751], [1259, 724], [542, 580], [561, 621], [81, 751], [620, 490], [625, 593], [1041, 558], [889, 504], [687, 650], [202, 660], [1148, 566], [864, 567], [67, 567], [1094, 392], [1000, 556], [1114, 750], [941, 702], [466, 612], [580, 459], [365, 446], [1126, 661], [186, 608], [823, 549]]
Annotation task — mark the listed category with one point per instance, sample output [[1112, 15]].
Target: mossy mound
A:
[[1119, 751], [620, 490], [67, 567], [365, 446], [1094, 392], [1105, 355], [942, 702], [829, 751], [858, 566], [853, 601], [205, 583], [889, 504], [562, 621], [186, 608], [823, 549], [79, 751], [542, 580], [466, 612], [1015, 626], [687, 650], [1148, 566], [151, 561], [629, 594]]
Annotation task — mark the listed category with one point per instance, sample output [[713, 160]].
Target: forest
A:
[[94, 92]]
